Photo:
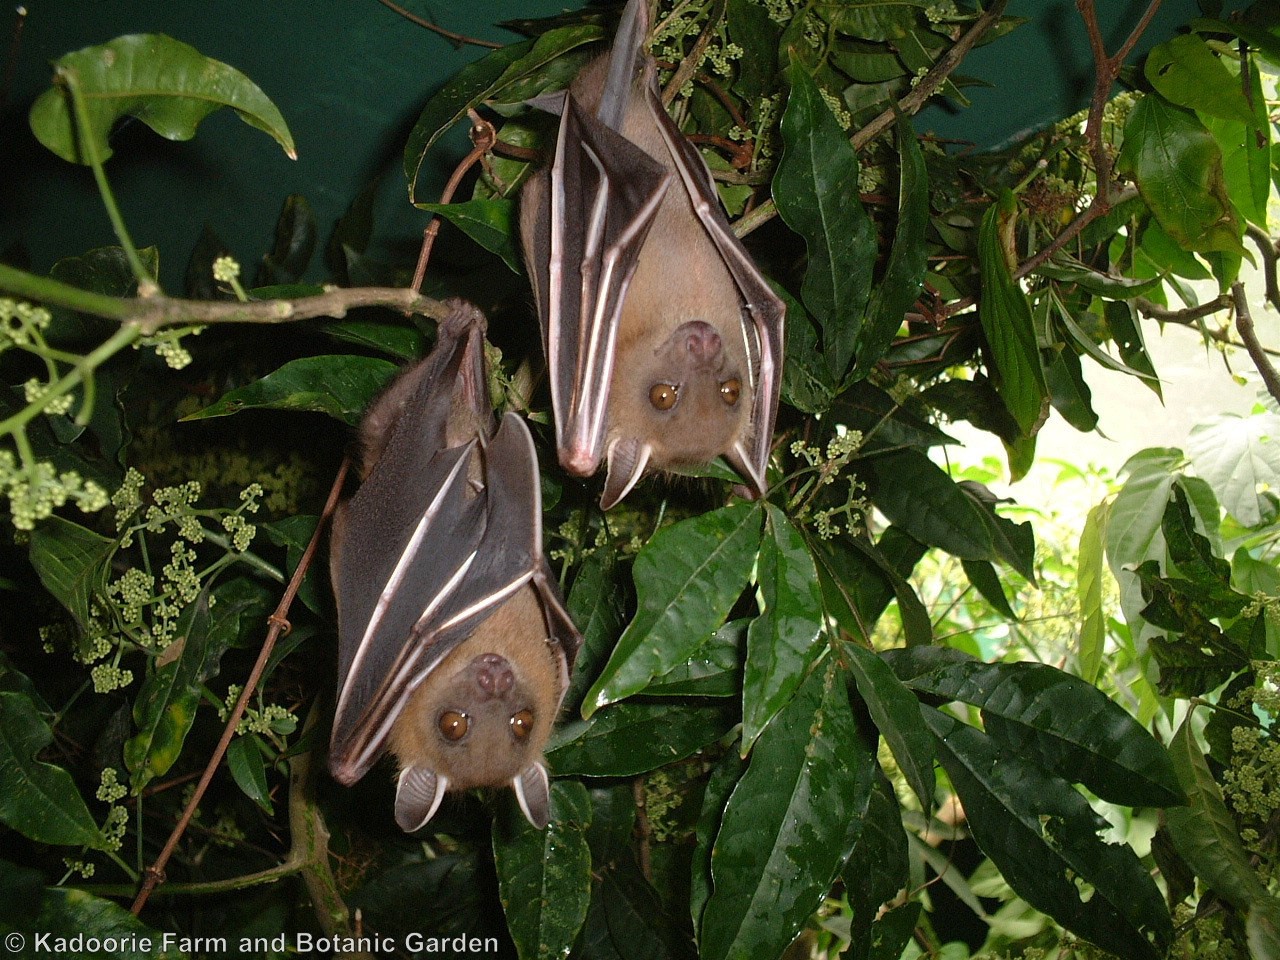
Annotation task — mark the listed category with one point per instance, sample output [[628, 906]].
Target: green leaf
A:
[[597, 604], [878, 866], [338, 386], [544, 876], [73, 917], [1186, 71], [714, 670], [393, 339], [1058, 721], [1178, 169], [244, 759], [896, 713], [903, 277], [1006, 321], [807, 384], [1089, 590], [918, 496], [166, 705], [38, 799], [782, 839], [1239, 457], [487, 222], [295, 242], [814, 198], [494, 78], [859, 579], [1043, 837], [687, 579], [982, 574], [1069, 270], [1246, 154], [1205, 833], [1262, 927], [781, 642], [71, 562], [626, 739], [166, 84]]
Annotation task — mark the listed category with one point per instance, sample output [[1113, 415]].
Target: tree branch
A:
[[1244, 326]]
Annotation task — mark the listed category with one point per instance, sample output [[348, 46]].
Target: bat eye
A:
[[522, 724], [730, 390], [663, 396], [453, 725]]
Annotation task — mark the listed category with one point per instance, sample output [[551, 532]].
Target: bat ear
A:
[[740, 460], [533, 790], [418, 796], [627, 460]]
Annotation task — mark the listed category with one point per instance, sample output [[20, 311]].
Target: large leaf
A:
[[71, 562], [784, 833], [338, 386], [1056, 720], [544, 876], [1239, 457], [493, 77], [1178, 169], [71, 919], [166, 705], [918, 496], [1187, 72], [859, 579], [812, 188], [38, 799], [487, 222], [878, 867], [904, 273], [166, 84], [1089, 591], [626, 739], [781, 642], [896, 714], [1205, 833], [1043, 837], [687, 579], [1006, 321]]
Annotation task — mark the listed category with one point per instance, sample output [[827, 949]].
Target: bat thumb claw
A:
[[418, 796], [533, 791], [627, 460]]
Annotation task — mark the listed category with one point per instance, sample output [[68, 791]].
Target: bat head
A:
[[481, 718]]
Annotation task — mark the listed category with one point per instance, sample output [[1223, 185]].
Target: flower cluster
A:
[[271, 719], [36, 489], [826, 465]]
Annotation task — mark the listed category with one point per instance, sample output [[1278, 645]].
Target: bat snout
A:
[[493, 676], [701, 342]]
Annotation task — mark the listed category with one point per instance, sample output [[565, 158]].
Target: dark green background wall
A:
[[350, 77]]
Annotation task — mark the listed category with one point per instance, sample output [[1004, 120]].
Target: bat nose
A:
[[494, 676], [701, 340]]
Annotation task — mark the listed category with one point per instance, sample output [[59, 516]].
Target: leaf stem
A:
[[147, 285]]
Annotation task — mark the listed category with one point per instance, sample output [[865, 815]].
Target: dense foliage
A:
[[770, 735]]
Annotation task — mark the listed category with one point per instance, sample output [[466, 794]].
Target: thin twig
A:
[[932, 81], [15, 44], [1244, 326], [149, 314], [483, 137], [1187, 315], [155, 873], [456, 38]]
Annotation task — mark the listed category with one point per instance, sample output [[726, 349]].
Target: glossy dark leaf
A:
[[1056, 720], [1006, 321], [1043, 837], [71, 562], [687, 577], [811, 189], [782, 836], [896, 713], [878, 867], [489, 223], [544, 876], [245, 762], [625, 739], [337, 386], [295, 242], [782, 641], [38, 799], [163, 82]]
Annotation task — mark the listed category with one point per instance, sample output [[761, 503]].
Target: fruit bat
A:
[[663, 340], [454, 645]]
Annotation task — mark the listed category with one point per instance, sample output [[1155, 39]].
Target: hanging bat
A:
[[663, 340], [454, 645]]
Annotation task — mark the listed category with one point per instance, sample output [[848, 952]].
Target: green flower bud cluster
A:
[[36, 489], [271, 719], [826, 465], [21, 323]]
